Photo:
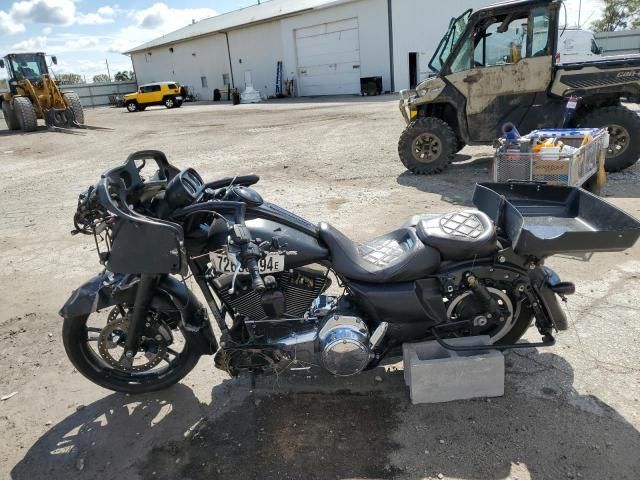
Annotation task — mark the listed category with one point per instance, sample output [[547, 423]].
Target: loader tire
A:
[[10, 117], [427, 146], [624, 135], [26, 114], [73, 101]]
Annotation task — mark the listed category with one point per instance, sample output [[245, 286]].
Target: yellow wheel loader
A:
[[34, 94]]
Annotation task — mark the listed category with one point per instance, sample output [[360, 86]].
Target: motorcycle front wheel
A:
[[95, 345]]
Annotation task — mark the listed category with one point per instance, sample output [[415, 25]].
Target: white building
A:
[[325, 46]]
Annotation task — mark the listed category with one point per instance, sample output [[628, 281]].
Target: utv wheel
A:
[[624, 135], [427, 145], [169, 102], [73, 101], [132, 106], [10, 117], [26, 114]]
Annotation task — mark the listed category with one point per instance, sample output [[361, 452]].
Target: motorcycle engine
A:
[[344, 344], [333, 336], [327, 332]]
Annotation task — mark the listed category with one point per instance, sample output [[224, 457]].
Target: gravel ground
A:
[[571, 411]]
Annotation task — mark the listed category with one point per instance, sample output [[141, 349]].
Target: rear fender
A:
[[108, 289]]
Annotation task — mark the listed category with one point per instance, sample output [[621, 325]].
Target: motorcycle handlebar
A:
[[256, 280]]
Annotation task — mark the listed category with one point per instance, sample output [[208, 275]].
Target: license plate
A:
[[178, 97], [272, 263]]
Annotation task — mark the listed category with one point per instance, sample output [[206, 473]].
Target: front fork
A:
[[144, 294]]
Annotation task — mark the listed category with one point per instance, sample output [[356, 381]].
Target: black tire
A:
[[427, 146], [10, 117], [178, 104], [624, 132], [132, 106], [520, 326], [169, 102], [94, 368], [26, 114], [73, 101], [141, 108]]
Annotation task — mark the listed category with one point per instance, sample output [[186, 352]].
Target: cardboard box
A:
[[551, 171]]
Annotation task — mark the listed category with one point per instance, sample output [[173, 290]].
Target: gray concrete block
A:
[[435, 374]]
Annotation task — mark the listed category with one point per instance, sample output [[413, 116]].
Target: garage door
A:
[[329, 58]]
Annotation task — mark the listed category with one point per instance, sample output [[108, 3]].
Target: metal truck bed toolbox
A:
[[543, 220]]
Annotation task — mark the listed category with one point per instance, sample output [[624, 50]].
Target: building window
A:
[[203, 80], [225, 79]]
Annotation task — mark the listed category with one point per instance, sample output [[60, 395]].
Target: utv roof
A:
[[517, 3], [25, 53]]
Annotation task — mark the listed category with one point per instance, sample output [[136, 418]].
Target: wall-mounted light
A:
[[239, 60], [171, 49], [193, 54]]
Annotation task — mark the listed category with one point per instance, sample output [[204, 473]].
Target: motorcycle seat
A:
[[397, 256], [457, 235]]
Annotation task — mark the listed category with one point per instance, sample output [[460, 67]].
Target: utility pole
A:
[[108, 72], [579, 12]]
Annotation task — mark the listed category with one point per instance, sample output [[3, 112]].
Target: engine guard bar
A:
[[547, 341]]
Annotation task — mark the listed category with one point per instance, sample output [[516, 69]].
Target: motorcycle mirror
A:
[[54, 59]]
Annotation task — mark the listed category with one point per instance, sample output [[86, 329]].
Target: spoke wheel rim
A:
[[618, 140], [167, 361], [426, 147]]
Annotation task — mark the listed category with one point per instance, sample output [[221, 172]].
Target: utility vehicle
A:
[[498, 65]]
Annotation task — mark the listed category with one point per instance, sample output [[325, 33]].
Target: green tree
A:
[[69, 78], [618, 15], [102, 78], [122, 76]]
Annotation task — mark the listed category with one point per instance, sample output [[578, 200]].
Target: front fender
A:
[[108, 289], [101, 291]]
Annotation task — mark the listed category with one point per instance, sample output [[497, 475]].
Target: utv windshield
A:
[[456, 27], [28, 66]]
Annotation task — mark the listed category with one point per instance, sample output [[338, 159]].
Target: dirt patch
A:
[[293, 436]]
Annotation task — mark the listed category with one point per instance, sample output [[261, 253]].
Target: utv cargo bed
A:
[[544, 220]]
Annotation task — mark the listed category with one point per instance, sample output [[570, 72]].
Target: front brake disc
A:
[[111, 341]]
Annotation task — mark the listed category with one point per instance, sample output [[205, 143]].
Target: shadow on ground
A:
[[455, 183], [308, 427]]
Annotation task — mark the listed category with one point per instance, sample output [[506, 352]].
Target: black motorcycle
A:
[[263, 271]]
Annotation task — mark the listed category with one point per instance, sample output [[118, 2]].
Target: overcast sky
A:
[[86, 33]]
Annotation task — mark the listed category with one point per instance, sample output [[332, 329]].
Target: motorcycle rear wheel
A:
[[515, 326], [79, 340]]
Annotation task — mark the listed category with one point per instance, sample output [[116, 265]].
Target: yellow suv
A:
[[168, 94]]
